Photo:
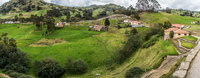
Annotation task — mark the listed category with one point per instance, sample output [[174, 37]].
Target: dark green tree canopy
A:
[[148, 5]]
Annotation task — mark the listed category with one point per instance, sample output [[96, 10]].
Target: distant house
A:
[[99, 27], [9, 22], [177, 33], [193, 22], [59, 25], [127, 20], [179, 26], [17, 22], [136, 24], [65, 23]]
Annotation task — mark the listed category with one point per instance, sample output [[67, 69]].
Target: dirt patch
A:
[[47, 42]]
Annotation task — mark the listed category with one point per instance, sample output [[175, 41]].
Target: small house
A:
[[99, 27], [193, 22], [177, 33], [136, 24], [59, 25], [65, 23], [179, 26], [127, 20], [17, 22]]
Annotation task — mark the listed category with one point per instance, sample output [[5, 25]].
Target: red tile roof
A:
[[171, 29], [177, 25], [127, 19], [181, 31], [135, 22]]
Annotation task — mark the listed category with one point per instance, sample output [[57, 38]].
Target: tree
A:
[[16, 18], [133, 31], [107, 23], [147, 5], [134, 72], [167, 25], [50, 23], [12, 58], [171, 34], [67, 16], [168, 10], [49, 68]]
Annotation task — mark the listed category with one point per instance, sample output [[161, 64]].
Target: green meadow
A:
[[187, 45], [190, 38], [161, 17]]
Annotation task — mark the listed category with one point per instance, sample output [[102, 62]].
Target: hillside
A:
[[93, 47], [28, 7], [161, 17]]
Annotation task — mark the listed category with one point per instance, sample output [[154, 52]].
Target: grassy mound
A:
[[190, 38], [187, 45]]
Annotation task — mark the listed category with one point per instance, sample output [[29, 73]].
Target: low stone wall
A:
[[184, 67], [177, 47], [193, 42]]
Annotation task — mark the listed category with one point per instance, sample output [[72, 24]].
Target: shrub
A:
[[49, 68], [150, 42], [14, 74], [77, 67], [134, 72]]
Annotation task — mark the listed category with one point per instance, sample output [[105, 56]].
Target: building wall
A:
[[176, 35]]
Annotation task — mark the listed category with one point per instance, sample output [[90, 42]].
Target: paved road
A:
[[194, 71]]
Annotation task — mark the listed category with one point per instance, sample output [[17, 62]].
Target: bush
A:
[[150, 42], [134, 72], [77, 67], [11, 58], [14, 74], [49, 68]]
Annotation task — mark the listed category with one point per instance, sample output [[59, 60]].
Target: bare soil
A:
[[47, 42]]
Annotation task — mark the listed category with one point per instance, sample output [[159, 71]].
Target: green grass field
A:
[[190, 38], [91, 46], [187, 45], [161, 17]]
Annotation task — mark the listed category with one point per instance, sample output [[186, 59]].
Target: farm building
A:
[[99, 27], [127, 20], [60, 25], [136, 24], [179, 26], [177, 33]]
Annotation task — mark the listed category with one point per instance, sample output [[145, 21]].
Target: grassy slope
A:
[[161, 17], [187, 45], [143, 58], [25, 14], [93, 47], [190, 38]]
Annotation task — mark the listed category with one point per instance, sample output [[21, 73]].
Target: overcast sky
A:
[[176, 4]]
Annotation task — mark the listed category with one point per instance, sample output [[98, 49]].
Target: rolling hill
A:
[[28, 7]]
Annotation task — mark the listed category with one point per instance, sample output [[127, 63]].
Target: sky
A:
[[175, 4]]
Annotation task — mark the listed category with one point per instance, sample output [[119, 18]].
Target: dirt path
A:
[[164, 68], [5, 76]]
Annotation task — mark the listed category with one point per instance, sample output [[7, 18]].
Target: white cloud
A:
[[176, 4], [3, 1]]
